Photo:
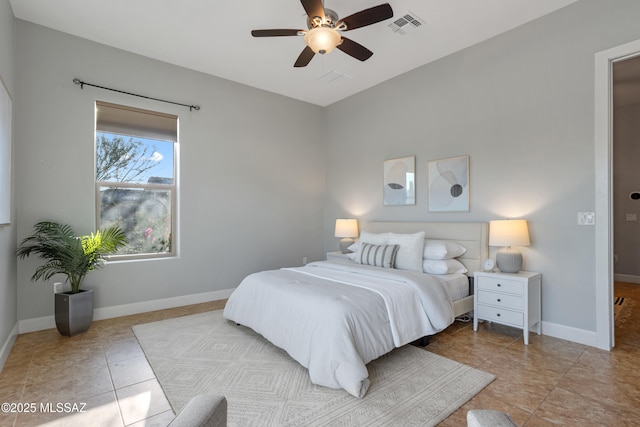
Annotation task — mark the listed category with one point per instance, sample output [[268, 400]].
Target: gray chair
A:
[[489, 418], [204, 410]]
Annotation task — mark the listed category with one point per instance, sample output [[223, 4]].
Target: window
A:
[[136, 154]]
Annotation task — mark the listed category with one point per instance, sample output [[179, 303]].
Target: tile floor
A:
[[552, 382], [103, 367], [549, 382]]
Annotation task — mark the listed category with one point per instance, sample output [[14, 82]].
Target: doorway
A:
[[625, 172], [626, 196], [604, 268]]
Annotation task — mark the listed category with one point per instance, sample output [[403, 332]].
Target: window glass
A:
[[135, 187], [144, 215], [120, 158]]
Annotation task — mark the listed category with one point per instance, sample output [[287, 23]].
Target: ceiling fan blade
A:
[[314, 8], [305, 57], [354, 49], [367, 17], [275, 33]]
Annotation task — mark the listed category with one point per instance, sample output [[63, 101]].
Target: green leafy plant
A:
[[67, 254]]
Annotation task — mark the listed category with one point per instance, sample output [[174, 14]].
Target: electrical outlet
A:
[[632, 217], [304, 260], [57, 287]]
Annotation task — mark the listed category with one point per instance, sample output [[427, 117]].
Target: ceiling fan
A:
[[324, 33]]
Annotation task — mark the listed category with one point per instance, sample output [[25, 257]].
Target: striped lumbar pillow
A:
[[378, 255]]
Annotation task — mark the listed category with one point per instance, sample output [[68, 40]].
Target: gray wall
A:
[[626, 175], [521, 105], [8, 294], [251, 186]]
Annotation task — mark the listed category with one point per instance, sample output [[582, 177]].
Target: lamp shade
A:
[[509, 232], [346, 228], [322, 39]]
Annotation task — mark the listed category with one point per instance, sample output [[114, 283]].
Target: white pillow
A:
[[373, 238], [410, 252], [443, 266], [440, 249]]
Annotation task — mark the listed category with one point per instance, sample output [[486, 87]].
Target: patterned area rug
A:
[[622, 308], [265, 387]]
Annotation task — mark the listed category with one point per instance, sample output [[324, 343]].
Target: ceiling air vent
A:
[[408, 22], [334, 78]]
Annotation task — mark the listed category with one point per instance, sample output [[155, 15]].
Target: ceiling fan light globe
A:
[[322, 40]]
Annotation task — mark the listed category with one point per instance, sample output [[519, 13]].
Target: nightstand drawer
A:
[[500, 300], [502, 316], [515, 287]]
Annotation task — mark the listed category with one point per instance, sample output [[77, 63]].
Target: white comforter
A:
[[334, 318]]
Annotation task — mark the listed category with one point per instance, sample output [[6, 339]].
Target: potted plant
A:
[[74, 257]]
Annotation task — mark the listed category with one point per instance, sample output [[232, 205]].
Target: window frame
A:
[[171, 188]]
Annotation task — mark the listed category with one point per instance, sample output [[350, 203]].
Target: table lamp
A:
[[508, 233], [347, 229]]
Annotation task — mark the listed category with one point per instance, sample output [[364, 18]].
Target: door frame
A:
[[604, 270]]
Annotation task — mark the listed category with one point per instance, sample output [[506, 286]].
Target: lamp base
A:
[[509, 260], [345, 242]]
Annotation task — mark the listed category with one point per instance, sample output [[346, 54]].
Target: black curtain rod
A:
[[83, 84]]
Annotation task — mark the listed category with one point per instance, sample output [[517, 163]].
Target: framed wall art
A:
[[5, 155], [448, 184], [399, 181]]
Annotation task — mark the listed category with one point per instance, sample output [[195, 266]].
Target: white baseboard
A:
[[569, 333], [627, 278], [48, 322], [36, 324], [7, 346]]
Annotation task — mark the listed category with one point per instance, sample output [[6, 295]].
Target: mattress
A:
[[457, 285]]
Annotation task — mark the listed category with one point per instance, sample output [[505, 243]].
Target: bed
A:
[[335, 316]]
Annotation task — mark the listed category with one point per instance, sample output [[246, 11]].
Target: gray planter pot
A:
[[74, 312]]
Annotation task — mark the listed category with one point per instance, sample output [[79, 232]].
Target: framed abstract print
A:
[[448, 184], [399, 181]]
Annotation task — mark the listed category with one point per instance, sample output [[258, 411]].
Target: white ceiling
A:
[[214, 36]]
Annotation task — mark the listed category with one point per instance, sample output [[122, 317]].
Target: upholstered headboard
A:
[[472, 235]]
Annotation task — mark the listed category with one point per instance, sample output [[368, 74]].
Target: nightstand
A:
[[336, 255], [508, 299]]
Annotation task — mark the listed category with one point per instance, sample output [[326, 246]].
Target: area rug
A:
[[622, 308], [204, 353]]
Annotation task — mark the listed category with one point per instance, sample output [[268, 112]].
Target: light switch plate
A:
[[586, 218]]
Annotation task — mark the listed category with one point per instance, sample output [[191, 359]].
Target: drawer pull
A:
[[499, 285], [499, 300], [498, 314]]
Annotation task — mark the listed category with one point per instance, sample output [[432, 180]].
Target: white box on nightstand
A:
[[508, 299]]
